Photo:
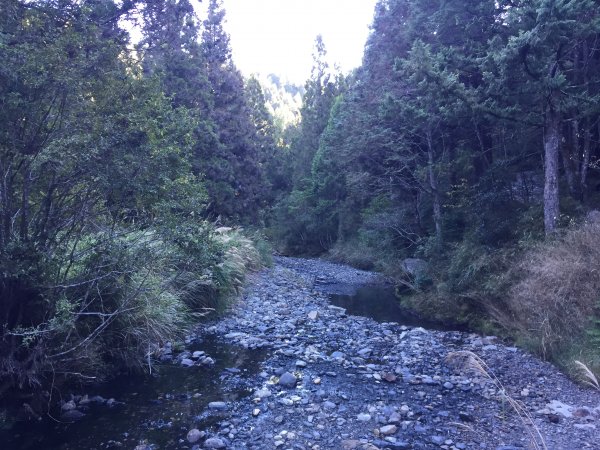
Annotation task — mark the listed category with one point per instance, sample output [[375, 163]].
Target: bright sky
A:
[[277, 36]]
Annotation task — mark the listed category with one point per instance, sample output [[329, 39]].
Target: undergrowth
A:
[[112, 299]]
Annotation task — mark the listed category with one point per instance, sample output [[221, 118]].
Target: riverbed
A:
[[315, 355]]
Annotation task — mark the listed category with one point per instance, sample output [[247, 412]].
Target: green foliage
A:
[[438, 147], [111, 164]]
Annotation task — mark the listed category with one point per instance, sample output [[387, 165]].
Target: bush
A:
[[112, 298], [554, 304]]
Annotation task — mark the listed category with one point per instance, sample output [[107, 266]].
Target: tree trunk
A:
[[585, 162], [568, 165], [551, 150], [437, 202]]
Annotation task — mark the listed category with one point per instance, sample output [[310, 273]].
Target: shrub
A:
[[555, 300], [111, 298]]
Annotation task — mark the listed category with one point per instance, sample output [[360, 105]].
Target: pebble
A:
[[220, 406], [214, 442]]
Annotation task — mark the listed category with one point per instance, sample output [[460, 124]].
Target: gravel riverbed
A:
[[335, 381]]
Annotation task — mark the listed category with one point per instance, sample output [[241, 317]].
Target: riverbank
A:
[[303, 374], [363, 384]]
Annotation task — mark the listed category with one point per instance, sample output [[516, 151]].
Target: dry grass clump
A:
[[470, 362], [554, 302], [587, 376]]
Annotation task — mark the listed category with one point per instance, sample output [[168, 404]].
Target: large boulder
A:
[[415, 267]]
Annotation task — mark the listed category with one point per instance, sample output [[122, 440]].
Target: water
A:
[[380, 303], [159, 409]]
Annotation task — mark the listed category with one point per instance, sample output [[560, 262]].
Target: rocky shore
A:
[[335, 381]]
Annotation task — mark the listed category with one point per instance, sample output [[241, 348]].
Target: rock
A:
[[111, 403], [365, 352], [553, 418], [72, 415], [363, 417], [389, 377], [585, 426], [194, 435], [214, 442], [329, 405], [300, 363], [415, 267], [466, 417], [287, 379], [68, 406], [197, 354], [438, 440], [313, 315], [219, 406], [262, 393], [255, 412], [388, 430], [448, 385], [187, 362], [560, 408]]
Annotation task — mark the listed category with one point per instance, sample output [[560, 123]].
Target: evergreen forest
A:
[[142, 175]]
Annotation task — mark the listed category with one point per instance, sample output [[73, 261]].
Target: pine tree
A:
[[235, 178]]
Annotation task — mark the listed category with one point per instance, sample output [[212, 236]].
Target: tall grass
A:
[[554, 303], [116, 296], [470, 362]]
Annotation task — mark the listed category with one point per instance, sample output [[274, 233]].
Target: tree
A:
[[235, 179], [549, 38]]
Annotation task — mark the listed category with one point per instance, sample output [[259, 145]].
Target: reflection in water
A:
[[160, 409], [380, 303]]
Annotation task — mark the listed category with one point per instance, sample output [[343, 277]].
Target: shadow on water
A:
[[380, 303], [159, 409]]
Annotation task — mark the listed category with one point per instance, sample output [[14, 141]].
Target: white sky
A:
[[277, 36]]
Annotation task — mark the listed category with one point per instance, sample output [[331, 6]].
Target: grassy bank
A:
[[110, 301]]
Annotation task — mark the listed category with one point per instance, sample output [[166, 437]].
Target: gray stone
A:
[[415, 267], [194, 435], [263, 393], [72, 415], [329, 405], [214, 442], [287, 379], [388, 430], [439, 440], [70, 405], [219, 406], [187, 362]]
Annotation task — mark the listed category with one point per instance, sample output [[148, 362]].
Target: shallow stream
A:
[[158, 408], [161, 408]]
